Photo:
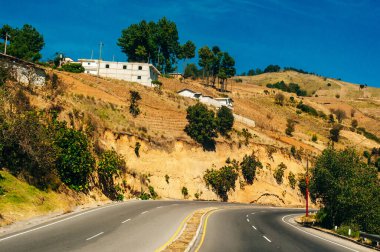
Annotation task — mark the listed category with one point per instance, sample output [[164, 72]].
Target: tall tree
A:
[[205, 61], [216, 61], [227, 69], [25, 43], [156, 43], [187, 51]]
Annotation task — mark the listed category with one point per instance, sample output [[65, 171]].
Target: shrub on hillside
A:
[[279, 173], [279, 99], [249, 166], [291, 88], [134, 106], [225, 120], [201, 125], [335, 132], [292, 180], [307, 109], [221, 181], [75, 161], [290, 127], [73, 68]]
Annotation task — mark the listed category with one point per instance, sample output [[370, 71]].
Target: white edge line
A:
[[254, 227], [94, 236], [144, 212], [283, 219], [126, 221], [248, 220], [159, 207], [53, 223], [266, 238]]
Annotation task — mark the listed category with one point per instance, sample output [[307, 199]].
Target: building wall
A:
[[142, 73]]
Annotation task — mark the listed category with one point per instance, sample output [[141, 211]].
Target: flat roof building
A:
[[143, 73]]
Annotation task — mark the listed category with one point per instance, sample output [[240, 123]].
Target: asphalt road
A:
[[128, 226], [267, 229]]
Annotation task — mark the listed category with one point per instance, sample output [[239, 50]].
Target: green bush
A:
[[137, 149], [144, 196], [344, 230], [201, 125], [290, 127], [184, 192], [291, 88], [225, 120], [347, 188], [75, 161], [73, 68], [221, 181], [292, 180], [279, 173], [368, 135], [134, 107], [314, 138], [110, 164], [249, 166], [307, 109], [335, 132], [152, 192]]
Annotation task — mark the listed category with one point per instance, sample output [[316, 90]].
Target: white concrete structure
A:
[[216, 102], [189, 93], [23, 71], [142, 73]]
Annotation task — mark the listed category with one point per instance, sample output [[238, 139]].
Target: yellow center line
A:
[[204, 229], [174, 236]]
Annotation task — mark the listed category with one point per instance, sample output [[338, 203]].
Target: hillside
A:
[[169, 160]]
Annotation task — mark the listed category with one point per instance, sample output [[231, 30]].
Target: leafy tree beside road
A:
[[348, 189]]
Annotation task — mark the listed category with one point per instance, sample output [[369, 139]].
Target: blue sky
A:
[[335, 38]]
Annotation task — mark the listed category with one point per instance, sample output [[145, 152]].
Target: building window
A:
[[125, 67], [140, 68], [139, 77], [107, 66]]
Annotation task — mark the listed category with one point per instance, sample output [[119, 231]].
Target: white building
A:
[[143, 73], [216, 102]]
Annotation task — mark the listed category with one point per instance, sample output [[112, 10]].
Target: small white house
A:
[[216, 102], [189, 93], [143, 73]]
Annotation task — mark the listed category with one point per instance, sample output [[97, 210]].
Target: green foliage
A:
[[335, 132], [290, 127], [249, 166], [187, 51], [292, 180], [157, 43], [152, 192], [344, 230], [331, 118], [110, 165], [279, 99], [225, 120], [134, 107], [272, 69], [368, 135], [73, 68], [340, 114], [221, 181], [348, 190], [75, 161], [137, 149], [247, 135], [5, 74], [314, 138], [191, 71], [144, 196], [302, 184], [291, 88], [201, 125], [279, 173], [293, 151], [307, 109], [184, 192], [25, 43]]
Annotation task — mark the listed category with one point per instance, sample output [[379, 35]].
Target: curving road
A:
[[267, 229], [147, 225]]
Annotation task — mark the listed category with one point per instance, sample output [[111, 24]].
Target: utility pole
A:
[[307, 185], [100, 55], [5, 44]]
